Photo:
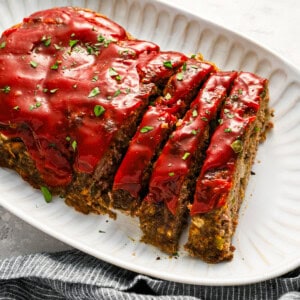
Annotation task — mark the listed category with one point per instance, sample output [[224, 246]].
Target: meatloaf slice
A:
[[221, 185], [131, 180], [163, 213]]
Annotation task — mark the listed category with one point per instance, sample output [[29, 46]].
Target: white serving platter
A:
[[267, 239]]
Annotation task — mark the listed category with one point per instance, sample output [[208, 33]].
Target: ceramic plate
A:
[[267, 239]]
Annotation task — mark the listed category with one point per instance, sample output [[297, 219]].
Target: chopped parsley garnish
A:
[[240, 91], [168, 96], [46, 40], [35, 106], [204, 119], [112, 72], [194, 113], [194, 131], [73, 43], [227, 130], [194, 66], [94, 92], [98, 110], [56, 65], [186, 155], [128, 90], [220, 121], [118, 77], [179, 76], [68, 139], [171, 174], [117, 93], [168, 64], [6, 89], [95, 78], [184, 67], [53, 91], [237, 146], [33, 64], [146, 129], [3, 45], [46, 193], [193, 56], [234, 97], [106, 42], [57, 47], [101, 38], [74, 145], [45, 90]]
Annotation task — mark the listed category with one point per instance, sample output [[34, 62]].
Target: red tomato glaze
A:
[[177, 156], [68, 80]]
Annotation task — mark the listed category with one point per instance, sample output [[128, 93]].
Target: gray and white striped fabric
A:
[[75, 275]]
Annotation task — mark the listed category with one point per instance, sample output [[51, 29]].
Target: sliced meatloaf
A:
[[163, 213], [223, 179], [131, 180], [109, 122]]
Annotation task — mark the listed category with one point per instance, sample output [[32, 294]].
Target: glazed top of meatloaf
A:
[[68, 79]]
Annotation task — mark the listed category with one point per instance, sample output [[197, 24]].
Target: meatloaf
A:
[[163, 213], [110, 122], [221, 185]]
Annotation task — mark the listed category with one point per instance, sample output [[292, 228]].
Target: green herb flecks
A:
[[56, 65], [184, 67], [117, 93], [46, 193], [168, 64], [53, 91], [195, 132], [237, 146], [168, 96], [74, 145], [186, 155], [113, 73], [3, 45], [46, 40], [146, 129], [179, 76], [94, 92], [95, 78], [171, 174], [33, 64], [73, 43], [194, 113], [98, 110], [6, 89], [35, 106], [227, 130]]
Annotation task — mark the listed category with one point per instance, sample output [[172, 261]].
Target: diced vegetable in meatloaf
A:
[[111, 123]]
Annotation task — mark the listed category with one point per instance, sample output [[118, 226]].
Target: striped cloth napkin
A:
[[75, 275]]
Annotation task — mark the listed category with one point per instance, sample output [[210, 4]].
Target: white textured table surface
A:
[[273, 23]]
